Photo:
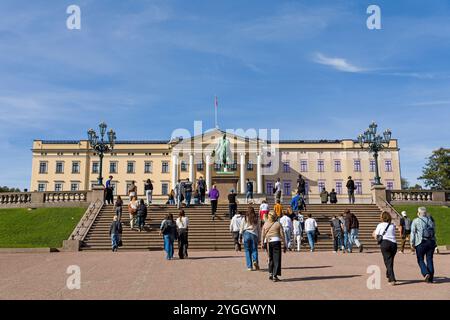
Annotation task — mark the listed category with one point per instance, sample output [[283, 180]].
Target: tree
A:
[[405, 183], [436, 173], [6, 189]]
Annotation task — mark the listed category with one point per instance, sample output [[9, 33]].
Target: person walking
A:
[[345, 228], [278, 190], [250, 231], [301, 185], [249, 191], [423, 241], [336, 232], [273, 238], [405, 231], [182, 228], [324, 196], [385, 236], [286, 223], [201, 186], [118, 207], [196, 197], [235, 227], [302, 203], [148, 188], [214, 198], [109, 190], [178, 194], [278, 208], [354, 232], [351, 190], [171, 198], [141, 215], [132, 210], [263, 211], [115, 231], [232, 205], [297, 233], [188, 192], [301, 219], [333, 197], [132, 191], [310, 229], [168, 230], [295, 203]]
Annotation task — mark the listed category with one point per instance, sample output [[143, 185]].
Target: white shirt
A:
[[235, 224], [182, 223], [278, 186], [286, 222], [310, 224], [300, 218], [264, 207], [297, 228], [390, 233]]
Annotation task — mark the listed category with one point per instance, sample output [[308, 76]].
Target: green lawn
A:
[[440, 214], [45, 227]]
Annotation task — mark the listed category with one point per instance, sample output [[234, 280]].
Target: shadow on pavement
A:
[[218, 257], [320, 278], [437, 280], [299, 268]]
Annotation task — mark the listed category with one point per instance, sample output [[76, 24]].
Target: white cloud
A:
[[337, 63]]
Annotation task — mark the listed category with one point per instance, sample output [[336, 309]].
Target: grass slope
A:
[[44, 227], [440, 214]]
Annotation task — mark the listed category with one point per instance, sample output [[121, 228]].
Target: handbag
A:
[[380, 236]]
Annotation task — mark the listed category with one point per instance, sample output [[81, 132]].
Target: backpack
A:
[[428, 231]]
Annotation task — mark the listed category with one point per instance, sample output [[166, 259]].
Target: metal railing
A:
[[83, 227]]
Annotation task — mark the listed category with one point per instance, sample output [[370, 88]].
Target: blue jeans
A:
[[188, 198], [426, 249], [168, 246], [249, 195], [346, 244], [287, 233], [115, 241], [251, 248], [310, 235], [353, 239]]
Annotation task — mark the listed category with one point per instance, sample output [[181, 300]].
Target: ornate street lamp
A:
[[101, 146], [375, 143]]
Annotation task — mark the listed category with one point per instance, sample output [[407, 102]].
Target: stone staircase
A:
[[205, 234]]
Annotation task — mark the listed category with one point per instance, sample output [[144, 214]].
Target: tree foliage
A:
[[7, 189], [436, 173]]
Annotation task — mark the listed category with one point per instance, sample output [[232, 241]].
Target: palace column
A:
[[174, 170], [242, 178], [259, 187], [191, 168], [208, 171]]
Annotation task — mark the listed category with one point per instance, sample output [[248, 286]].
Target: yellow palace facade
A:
[[72, 165]]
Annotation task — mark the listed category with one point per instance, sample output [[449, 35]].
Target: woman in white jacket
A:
[[235, 226]]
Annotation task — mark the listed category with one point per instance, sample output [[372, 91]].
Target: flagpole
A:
[[215, 112]]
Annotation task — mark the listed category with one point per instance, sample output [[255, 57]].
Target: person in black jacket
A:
[[148, 188], [351, 190], [141, 214], [333, 196], [168, 230], [115, 231], [232, 205]]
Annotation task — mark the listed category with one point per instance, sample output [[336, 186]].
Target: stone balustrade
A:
[[45, 199], [440, 197], [15, 198]]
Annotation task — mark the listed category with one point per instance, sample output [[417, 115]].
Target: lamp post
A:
[[375, 143], [101, 146]]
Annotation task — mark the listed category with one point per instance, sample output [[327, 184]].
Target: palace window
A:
[[320, 166], [337, 166], [183, 166], [41, 187], [286, 167], [148, 167], [233, 166], [372, 166], [113, 167], [130, 167], [357, 165], [338, 187], [390, 185], [388, 165], [200, 166], [165, 167], [287, 188], [59, 167], [95, 167], [303, 165], [74, 186], [269, 187], [43, 167], [75, 167], [58, 186], [358, 185], [164, 188], [321, 185], [250, 165], [216, 166]]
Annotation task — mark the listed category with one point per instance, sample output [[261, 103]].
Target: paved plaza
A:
[[213, 275]]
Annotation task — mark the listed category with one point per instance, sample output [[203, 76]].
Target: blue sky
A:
[[310, 68]]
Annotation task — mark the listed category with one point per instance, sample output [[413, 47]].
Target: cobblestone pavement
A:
[[213, 275]]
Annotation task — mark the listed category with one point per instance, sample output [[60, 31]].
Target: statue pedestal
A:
[[225, 181]]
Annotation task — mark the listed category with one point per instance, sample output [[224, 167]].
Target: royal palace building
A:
[[73, 165]]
